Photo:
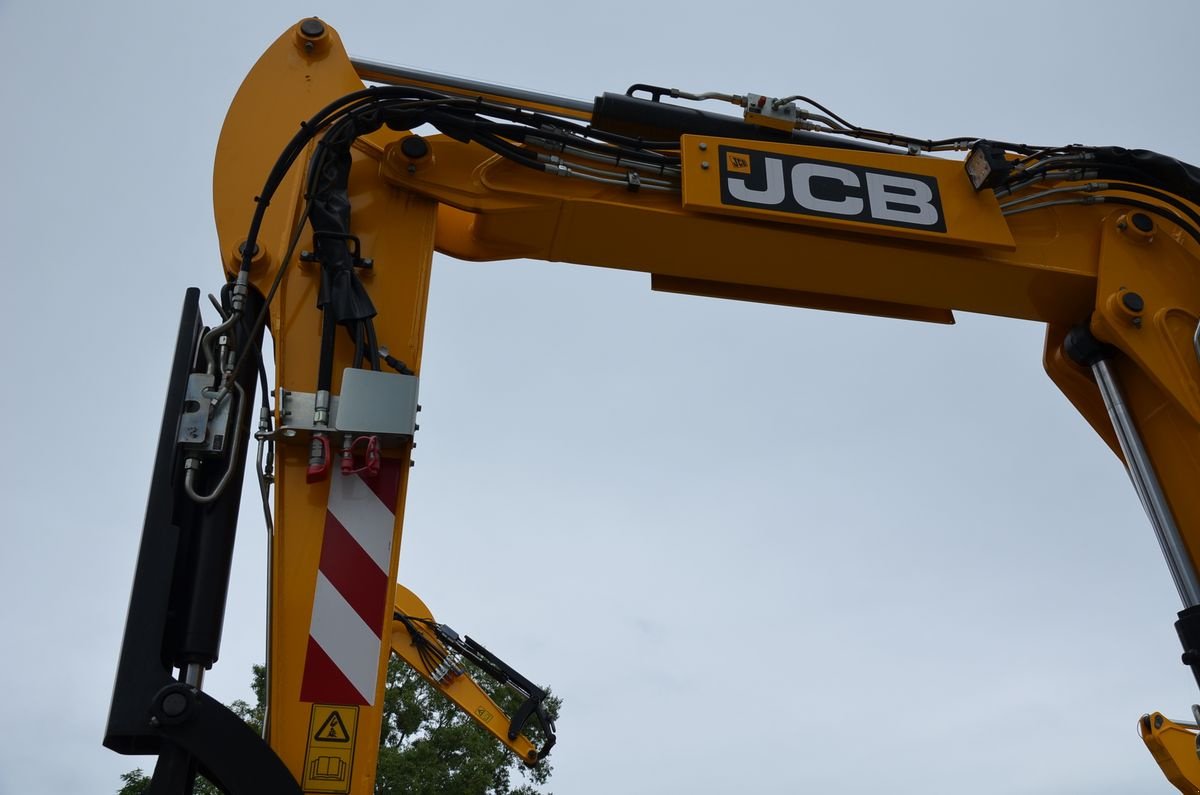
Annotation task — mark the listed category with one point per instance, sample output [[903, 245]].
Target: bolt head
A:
[[414, 147], [174, 705], [312, 28], [1133, 301]]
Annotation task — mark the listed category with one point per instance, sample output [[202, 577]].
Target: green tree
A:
[[136, 782], [427, 745]]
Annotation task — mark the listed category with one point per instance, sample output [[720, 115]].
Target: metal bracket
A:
[[203, 427], [371, 403]]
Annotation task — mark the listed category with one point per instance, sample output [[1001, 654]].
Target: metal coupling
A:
[[241, 288], [318, 459], [321, 407], [445, 671], [227, 359], [545, 143]]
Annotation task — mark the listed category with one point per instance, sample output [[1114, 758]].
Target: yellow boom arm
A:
[[803, 222], [457, 686]]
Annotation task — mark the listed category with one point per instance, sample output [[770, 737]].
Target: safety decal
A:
[[349, 616], [330, 755]]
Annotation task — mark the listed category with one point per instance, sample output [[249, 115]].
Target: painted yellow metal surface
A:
[[1059, 265], [462, 689], [1174, 747], [1158, 338], [490, 208]]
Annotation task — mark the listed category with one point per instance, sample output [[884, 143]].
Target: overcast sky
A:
[[754, 549]]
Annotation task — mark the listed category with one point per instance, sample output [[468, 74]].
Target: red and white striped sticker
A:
[[349, 614]]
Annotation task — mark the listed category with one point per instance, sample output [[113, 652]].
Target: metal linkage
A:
[[1146, 483], [1089, 352]]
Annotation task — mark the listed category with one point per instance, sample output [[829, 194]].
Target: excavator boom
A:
[[330, 199]]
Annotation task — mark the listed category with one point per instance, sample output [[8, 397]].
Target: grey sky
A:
[[755, 549]]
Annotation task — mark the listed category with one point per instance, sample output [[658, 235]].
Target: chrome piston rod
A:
[[403, 75], [193, 675], [1145, 482]]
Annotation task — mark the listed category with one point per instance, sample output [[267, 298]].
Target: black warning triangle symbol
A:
[[333, 730]]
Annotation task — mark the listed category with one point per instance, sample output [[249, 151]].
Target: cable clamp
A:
[[353, 245]]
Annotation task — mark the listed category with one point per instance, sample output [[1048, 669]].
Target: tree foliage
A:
[[136, 782], [427, 746]]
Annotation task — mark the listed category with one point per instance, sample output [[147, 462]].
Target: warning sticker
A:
[[333, 729], [330, 755]]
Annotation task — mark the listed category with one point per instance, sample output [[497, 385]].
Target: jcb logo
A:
[[737, 162], [831, 190]]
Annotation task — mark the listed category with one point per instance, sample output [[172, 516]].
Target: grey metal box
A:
[[377, 402]]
